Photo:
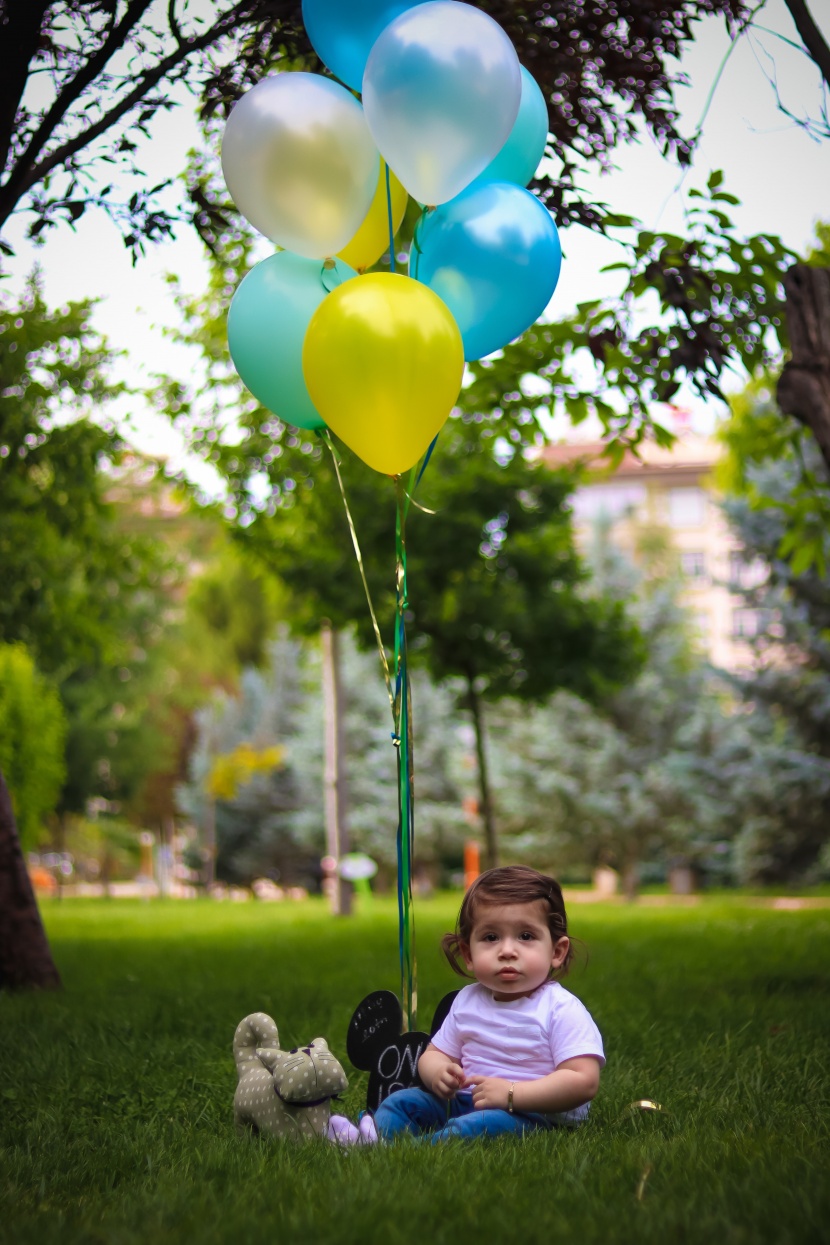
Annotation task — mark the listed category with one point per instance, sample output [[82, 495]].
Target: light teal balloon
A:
[[267, 323], [519, 158]]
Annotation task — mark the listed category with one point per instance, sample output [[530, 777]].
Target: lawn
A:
[[115, 1096]]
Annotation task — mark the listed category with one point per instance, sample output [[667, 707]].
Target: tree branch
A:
[[21, 39], [22, 180], [811, 36], [75, 87]]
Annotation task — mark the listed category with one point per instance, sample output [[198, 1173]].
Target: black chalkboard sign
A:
[[375, 1044]]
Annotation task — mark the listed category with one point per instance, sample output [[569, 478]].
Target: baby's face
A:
[[511, 950]]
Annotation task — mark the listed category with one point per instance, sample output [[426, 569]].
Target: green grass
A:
[[115, 1095]]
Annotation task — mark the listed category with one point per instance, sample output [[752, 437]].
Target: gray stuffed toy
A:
[[284, 1092]]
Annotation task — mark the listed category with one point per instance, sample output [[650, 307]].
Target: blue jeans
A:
[[416, 1111]]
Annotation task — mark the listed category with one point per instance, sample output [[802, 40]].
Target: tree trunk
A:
[[630, 880], [25, 959], [209, 832], [490, 836], [804, 387], [334, 767]]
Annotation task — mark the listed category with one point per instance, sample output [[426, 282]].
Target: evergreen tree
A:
[[788, 606], [276, 821], [620, 783]]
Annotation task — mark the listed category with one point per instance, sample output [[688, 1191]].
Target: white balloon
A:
[[441, 92], [300, 163]]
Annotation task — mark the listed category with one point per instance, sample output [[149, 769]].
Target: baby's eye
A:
[[489, 938], [527, 935]]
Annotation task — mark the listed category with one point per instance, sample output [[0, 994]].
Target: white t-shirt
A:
[[521, 1039]]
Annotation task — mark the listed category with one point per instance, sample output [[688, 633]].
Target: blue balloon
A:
[[493, 255], [519, 158], [342, 32], [267, 323]]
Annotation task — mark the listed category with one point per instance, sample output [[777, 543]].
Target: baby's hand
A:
[[448, 1080], [488, 1092]]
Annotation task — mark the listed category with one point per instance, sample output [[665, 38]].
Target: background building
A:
[[674, 489]]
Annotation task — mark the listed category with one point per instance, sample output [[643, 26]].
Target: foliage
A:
[[716, 1013], [67, 571], [789, 672], [692, 307], [496, 589], [232, 770], [32, 731], [756, 437], [112, 69], [82, 589], [95, 551], [232, 606], [276, 820], [620, 783]]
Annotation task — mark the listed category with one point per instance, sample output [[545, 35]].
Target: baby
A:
[[517, 1052]]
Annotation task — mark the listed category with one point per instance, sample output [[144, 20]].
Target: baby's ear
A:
[[376, 1022]]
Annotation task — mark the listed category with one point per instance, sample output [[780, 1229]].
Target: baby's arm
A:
[[575, 1081], [442, 1075]]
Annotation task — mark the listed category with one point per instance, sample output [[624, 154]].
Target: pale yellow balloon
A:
[[372, 238], [383, 362]]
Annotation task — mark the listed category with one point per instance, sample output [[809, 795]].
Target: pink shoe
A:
[[367, 1132], [342, 1131]]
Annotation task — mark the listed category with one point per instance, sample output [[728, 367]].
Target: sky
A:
[[780, 174]]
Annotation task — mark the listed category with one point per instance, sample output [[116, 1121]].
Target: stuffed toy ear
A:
[[268, 1056], [331, 1079], [376, 1022], [308, 1074]]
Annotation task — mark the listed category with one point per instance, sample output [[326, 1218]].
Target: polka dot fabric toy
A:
[[283, 1092]]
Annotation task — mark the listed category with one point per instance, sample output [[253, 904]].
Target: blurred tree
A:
[[63, 563], [235, 604], [602, 785], [787, 618], [275, 822], [248, 834], [497, 593], [32, 732]]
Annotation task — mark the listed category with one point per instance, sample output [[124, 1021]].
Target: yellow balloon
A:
[[383, 361], [372, 238]]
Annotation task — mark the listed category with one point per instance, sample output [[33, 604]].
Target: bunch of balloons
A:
[[446, 115]]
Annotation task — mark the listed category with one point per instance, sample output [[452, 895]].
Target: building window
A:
[[693, 564], [743, 574], [686, 506], [611, 500], [747, 623]]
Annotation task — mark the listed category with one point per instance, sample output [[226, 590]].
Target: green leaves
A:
[[32, 733], [693, 308]]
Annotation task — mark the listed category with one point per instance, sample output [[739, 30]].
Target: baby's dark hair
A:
[[508, 885]]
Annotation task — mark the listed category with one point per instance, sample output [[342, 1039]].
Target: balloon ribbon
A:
[[401, 702], [406, 792], [325, 436]]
